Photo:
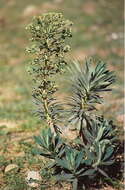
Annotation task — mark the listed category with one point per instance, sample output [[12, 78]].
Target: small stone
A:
[[10, 167], [29, 10], [33, 175], [114, 36]]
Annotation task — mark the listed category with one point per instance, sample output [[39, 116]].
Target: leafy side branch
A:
[[87, 82]]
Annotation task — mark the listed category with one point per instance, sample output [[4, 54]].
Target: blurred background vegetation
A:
[[97, 31]]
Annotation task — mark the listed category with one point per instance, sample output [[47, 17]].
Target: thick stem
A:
[[81, 134], [48, 118], [46, 108], [75, 184]]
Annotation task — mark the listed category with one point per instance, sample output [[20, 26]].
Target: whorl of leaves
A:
[[87, 83], [54, 112], [50, 146]]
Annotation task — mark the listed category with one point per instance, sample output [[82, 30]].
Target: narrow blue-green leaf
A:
[[88, 172]]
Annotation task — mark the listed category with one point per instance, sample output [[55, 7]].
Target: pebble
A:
[[33, 175], [29, 10], [10, 167]]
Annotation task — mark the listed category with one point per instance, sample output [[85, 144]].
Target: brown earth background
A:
[[97, 31]]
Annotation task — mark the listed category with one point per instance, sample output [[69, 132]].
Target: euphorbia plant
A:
[[92, 152]]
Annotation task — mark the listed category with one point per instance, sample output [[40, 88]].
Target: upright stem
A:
[[46, 107], [81, 134], [75, 184], [49, 120]]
